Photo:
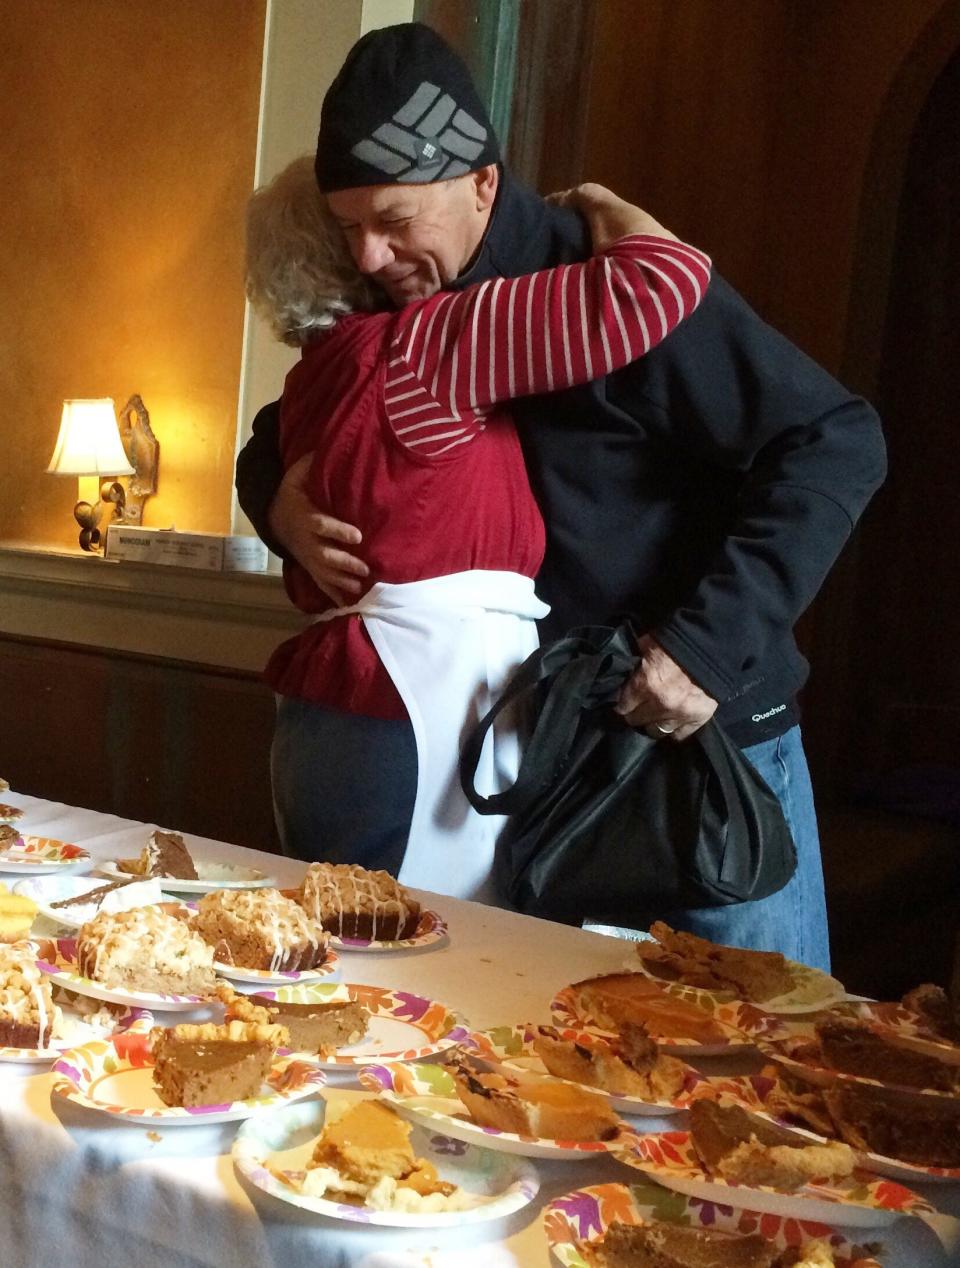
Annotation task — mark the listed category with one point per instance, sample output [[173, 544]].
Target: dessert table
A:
[[81, 1189]]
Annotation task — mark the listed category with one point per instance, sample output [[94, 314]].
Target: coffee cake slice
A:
[[353, 902], [145, 949], [260, 929], [28, 1016]]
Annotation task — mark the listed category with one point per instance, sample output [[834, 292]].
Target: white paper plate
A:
[[115, 1077], [212, 876], [426, 1094], [61, 968], [264, 977], [43, 856], [431, 931], [586, 1214], [52, 889], [281, 1142]]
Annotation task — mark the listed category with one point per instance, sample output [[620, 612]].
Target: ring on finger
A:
[[665, 730]]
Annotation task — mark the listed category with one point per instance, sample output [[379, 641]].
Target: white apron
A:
[[450, 644]]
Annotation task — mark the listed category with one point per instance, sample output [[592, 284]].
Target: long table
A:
[[81, 1189]]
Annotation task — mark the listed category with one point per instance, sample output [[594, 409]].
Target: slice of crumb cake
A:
[[260, 929], [145, 949], [353, 902], [28, 1016]]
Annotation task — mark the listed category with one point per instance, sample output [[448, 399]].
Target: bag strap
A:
[[573, 665]]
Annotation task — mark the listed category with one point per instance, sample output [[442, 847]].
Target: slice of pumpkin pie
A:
[[212, 1065]]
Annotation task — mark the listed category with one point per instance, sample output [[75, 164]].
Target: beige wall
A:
[[127, 152]]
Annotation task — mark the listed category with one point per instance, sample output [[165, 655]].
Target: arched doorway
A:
[[908, 611], [893, 864]]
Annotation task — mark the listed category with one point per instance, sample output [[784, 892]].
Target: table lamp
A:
[[89, 446]]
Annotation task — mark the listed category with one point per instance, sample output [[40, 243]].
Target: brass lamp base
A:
[[88, 517]]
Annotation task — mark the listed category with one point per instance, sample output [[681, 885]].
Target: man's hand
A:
[[312, 538], [660, 696], [608, 216]]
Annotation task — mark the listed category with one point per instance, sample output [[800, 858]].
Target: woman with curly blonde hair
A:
[[402, 416]]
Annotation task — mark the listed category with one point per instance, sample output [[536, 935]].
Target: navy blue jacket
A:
[[705, 490]]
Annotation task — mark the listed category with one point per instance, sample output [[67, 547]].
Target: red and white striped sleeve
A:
[[454, 356]]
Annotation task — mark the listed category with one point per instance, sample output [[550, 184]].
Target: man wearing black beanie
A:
[[706, 489]]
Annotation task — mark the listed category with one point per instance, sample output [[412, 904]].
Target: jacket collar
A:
[[525, 233]]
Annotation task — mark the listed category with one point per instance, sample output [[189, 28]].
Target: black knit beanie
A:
[[403, 108]]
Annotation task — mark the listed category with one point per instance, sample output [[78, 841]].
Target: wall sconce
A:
[[91, 446]]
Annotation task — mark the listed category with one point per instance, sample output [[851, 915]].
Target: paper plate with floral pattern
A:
[[115, 1076], [812, 989], [909, 1030], [792, 1043], [431, 930], [267, 977], [35, 855], [58, 959], [751, 1092], [567, 1012], [514, 1047], [862, 1201], [586, 1214], [272, 1151], [402, 1027], [80, 1026], [427, 1095]]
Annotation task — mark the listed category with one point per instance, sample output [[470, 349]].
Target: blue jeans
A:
[[794, 920], [343, 785]]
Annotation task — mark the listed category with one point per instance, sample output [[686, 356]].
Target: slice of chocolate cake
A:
[[910, 1126], [718, 1129], [661, 1245], [855, 1047], [166, 855]]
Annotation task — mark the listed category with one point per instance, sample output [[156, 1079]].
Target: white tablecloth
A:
[[83, 1191]]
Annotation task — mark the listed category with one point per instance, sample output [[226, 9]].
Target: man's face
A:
[[413, 240]]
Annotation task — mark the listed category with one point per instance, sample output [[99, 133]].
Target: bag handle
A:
[[575, 664]]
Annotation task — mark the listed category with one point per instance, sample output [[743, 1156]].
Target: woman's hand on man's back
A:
[[608, 216], [315, 539]]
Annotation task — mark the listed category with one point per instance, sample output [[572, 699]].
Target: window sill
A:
[[229, 619]]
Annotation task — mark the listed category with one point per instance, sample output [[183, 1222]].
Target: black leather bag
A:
[[607, 823]]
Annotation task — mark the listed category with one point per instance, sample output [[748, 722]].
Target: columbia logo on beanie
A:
[[403, 108], [428, 139]]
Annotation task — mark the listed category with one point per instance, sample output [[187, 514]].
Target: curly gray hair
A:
[[300, 275]]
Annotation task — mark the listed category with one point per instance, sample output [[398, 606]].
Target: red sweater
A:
[[403, 411]]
